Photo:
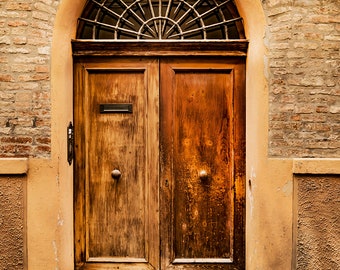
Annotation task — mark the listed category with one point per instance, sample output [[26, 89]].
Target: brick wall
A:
[[302, 67], [303, 38], [25, 40]]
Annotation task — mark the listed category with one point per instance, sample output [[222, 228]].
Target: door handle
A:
[[116, 174], [203, 174]]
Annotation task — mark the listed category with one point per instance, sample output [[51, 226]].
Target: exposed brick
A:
[[25, 40], [332, 37], [23, 96], [17, 23], [335, 109], [44, 50], [307, 3], [295, 117], [15, 14], [17, 5], [316, 127], [43, 140], [31, 59], [19, 31], [304, 108], [23, 67], [295, 54], [42, 68], [23, 150], [19, 40], [5, 40], [305, 66], [2, 23], [3, 59], [33, 77], [41, 15], [42, 149], [5, 78], [41, 25], [322, 109], [17, 140], [306, 45], [44, 7], [16, 50], [313, 118], [325, 19]]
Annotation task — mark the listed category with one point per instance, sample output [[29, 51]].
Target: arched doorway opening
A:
[[159, 115], [62, 113]]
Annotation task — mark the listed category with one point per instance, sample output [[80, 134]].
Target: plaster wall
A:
[[318, 230], [12, 222]]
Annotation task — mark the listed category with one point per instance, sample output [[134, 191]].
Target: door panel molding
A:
[[155, 122], [225, 75], [127, 222], [155, 48]]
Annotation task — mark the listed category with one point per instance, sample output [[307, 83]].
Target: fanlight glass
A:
[[160, 20]]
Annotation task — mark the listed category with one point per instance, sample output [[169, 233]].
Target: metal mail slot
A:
[[116, 108]]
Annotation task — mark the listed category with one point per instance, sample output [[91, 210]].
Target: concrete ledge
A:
[[316, 166], [13, 165]]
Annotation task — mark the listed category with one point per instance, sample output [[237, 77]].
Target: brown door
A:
[[159, 167], [202, 163], [116, 216]]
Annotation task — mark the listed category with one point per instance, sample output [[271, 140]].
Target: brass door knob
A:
[[116, 174], [203, 174]]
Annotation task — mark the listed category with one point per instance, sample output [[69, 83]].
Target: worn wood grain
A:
[[188, 117], [199, 132], [156, 48], [114, 217]]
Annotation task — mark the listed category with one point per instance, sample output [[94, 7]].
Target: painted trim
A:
[[13, 165]]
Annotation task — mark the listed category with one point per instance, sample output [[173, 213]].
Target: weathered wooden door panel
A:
[[199, 226], [119, 216], [179, 202]]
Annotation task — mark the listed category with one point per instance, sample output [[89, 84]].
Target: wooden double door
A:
[[159, 162]]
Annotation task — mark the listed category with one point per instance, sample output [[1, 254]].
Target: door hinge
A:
[[70, 138]]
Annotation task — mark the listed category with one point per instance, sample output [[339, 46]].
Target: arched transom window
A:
[[160, 20]]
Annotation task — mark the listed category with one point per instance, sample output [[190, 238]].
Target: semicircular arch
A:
[[160, 20]]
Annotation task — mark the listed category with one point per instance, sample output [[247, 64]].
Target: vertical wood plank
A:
[[79, 164], [116, 221], [203, 206], [201, 119], [198, 108], [115, 208]]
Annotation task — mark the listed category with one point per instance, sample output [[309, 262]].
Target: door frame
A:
[[235, 48], [238, 49]]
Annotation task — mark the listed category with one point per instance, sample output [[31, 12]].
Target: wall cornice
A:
[[316, 166], [13, 165]]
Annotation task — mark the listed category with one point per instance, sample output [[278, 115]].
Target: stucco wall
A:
[[318, 219], [12, 222]]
